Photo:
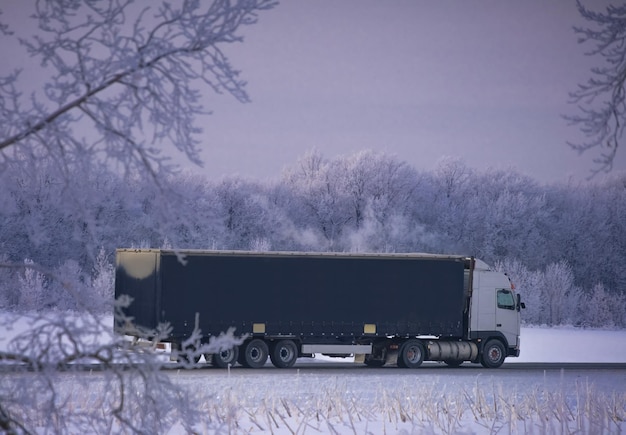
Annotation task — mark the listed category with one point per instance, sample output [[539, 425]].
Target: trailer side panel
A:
[[312, 296]]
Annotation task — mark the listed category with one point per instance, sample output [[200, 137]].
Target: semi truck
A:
[[383, 309]]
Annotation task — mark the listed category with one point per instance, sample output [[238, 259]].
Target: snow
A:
[[431, 400], [571, 345]]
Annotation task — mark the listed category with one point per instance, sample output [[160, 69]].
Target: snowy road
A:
[[432, 367]]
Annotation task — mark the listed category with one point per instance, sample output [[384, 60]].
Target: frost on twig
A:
[[133, 392], [133, 76], [602, 98], [123, 85]]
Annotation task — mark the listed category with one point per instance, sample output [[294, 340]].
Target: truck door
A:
[[507, 316]]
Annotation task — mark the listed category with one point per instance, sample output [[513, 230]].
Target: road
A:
[[311, 383], [327, 367], [431, 367]]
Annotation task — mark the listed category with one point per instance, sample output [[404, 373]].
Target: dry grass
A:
[[245, 405]]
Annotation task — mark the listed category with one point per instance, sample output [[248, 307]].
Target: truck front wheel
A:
[[284, 354], [411, 354], [254, 354], [493, 354]]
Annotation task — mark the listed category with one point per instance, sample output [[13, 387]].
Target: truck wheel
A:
[[411, 354], [284, 354], [254, 354], [225, 358], [493, 354]]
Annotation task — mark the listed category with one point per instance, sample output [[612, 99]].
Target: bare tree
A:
[[130, 75], [123, 81], [602, 99], [129, 394]]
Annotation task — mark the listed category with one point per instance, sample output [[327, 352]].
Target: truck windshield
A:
[[506, 299]]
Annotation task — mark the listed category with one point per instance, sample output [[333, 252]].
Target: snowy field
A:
[[433, 399]]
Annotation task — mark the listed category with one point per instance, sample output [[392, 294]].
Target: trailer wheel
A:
[[225, 358], [493, 354], [254, 354], [284, 354], [188, 356], [411, 354]]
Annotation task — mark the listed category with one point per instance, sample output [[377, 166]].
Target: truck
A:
[[383, 309]]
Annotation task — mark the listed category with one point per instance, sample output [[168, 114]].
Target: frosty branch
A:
[[131, 79], [602, 99]]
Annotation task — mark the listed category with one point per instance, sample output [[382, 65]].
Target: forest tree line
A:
[[563, 244]]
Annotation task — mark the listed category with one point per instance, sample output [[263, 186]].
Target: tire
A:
[[188, 356], [284, 354], [225, 358], [254, 354], [493, 354], [453, 362], [411, 354]]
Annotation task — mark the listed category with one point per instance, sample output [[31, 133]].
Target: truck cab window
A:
[[506, 299]]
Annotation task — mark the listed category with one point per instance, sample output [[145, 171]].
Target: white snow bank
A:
[[569, 344]]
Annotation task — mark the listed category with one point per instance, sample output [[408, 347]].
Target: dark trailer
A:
[[383, 308], [313, 296]]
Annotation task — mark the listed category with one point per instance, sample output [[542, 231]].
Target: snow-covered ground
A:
[[390, 401], [569, 344]]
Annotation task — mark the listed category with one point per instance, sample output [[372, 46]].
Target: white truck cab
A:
[[495, 308]]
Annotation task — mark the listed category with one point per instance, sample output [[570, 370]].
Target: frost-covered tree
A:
[[129, 394], [504, 217], [103, 281], [604, 308], [560, 295], [242, 207], [602, 99], [32, 288], [324, 204], [121, 84], [131, 75], [453, 191], [380, 188], [509, 216]]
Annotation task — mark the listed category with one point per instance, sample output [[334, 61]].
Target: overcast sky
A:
[[486, 81]]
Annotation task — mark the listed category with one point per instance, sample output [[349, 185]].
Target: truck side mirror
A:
[[520, 305]]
